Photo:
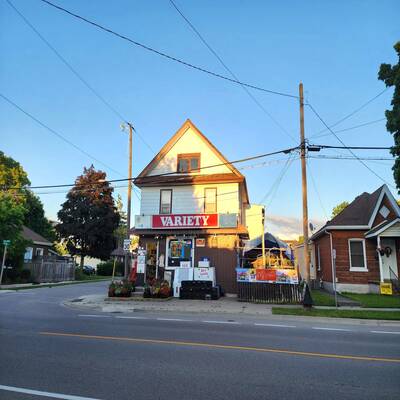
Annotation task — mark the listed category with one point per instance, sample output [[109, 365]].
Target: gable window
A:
[[384, 211], [357, 254], [210, 200], [165, 201], [188, 162]]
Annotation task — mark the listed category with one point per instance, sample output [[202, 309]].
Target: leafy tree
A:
[[390, 74], [35, 218], [88, 218], [339, 208], [12, 206]]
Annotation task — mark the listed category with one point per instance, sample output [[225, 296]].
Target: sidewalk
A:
[[20, 286], [225, 305]]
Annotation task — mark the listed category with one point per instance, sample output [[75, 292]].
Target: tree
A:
[[88, 218], [12, 206], [339, 208], [390, 74], [35, 218]]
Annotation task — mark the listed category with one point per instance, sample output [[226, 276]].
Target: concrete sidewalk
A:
[[20, 286], [225, 305]]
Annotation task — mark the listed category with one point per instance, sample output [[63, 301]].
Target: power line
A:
[[316, 191], [177, 174], [351, 128], [341, 141], [325, 146], [165, 55], [343, 157], [218, 57], [59, 135], [328, 128], [76, 73]]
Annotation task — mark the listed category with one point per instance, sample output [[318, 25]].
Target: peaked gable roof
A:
[[188, 124], [361, 212]]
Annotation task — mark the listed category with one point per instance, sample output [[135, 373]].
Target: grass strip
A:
[[375, 300], [317, 312]]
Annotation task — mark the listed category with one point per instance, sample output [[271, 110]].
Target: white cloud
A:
[[288, 227]]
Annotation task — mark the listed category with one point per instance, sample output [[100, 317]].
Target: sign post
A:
[[5, 243]]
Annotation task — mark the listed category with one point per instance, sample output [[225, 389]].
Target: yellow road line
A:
[[222, 346]]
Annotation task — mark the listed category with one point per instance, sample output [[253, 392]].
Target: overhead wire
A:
[[165, 55], [347, 116], [233, 75], [352, 152], [76, 73]]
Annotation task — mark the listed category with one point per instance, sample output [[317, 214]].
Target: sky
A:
[[334, 48]]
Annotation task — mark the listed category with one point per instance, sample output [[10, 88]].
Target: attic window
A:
[[384, 211], [188, 162]]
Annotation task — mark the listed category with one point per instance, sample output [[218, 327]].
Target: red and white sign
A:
[[182, 221]]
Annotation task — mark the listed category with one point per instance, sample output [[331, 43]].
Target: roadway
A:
[[51, 351]]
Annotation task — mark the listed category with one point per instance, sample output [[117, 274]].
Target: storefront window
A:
[[179, 250]]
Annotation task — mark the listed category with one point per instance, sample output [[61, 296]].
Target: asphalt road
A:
[[72, 354]]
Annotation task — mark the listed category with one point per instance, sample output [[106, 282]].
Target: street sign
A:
[[6, 242], [127, 244]]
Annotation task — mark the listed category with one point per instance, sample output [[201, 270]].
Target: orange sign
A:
[[266, 275]]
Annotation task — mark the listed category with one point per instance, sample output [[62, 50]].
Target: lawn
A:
[[321, 298], [375, 300], [333, 313]]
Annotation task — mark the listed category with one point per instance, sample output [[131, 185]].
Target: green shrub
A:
[[106, 268]]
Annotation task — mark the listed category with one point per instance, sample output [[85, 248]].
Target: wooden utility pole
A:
[[128, 214], [263, 237], [304, 186]]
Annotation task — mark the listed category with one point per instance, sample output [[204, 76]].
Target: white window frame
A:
[[358, 269], [28, 251], [39, 252], [319, 259]]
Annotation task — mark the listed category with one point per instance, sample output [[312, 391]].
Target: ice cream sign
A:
[[179, 221]]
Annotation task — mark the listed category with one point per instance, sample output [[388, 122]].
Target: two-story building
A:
[[192, 208]]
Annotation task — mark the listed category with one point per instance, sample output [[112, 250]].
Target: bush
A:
[[122, 288], [106, 268]]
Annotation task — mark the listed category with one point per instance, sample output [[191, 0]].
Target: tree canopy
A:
[[339, 208], [88, 218], [390, 75]]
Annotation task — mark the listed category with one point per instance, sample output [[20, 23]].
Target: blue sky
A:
[[334, 48]]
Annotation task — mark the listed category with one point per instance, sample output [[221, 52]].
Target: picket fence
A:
[[51, 271]]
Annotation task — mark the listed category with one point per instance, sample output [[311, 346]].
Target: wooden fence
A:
[[261, 292], [51, 271]]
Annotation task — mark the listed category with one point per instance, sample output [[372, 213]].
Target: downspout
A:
[[333, 265], [380, 259]]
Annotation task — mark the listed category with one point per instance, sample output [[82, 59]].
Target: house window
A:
[[188, 162], [165, 201], [210, 200], [28, 254], [39, 252], [358, 261]]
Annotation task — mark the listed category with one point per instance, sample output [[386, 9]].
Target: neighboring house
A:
[[193, 204], [39, 247], [366, 239]]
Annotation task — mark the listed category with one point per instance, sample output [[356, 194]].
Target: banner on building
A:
[[267, 275], [178, 221]]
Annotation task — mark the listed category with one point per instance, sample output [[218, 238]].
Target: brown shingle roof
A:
[[29, 234]]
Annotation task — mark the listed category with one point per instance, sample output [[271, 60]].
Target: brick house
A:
[[361, 245], [192, 207]]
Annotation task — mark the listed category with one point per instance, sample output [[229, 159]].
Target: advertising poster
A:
[[267, 275]]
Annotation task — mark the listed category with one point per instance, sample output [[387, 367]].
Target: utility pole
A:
[[304, 186], [128, 214], [263, 236], [5, 243]]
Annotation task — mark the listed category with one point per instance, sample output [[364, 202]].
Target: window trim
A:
[[358, 269], [319, 258], [216, 197], [170, 208], [188, 156]]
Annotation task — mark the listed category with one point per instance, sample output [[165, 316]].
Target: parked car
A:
[[88, 270]]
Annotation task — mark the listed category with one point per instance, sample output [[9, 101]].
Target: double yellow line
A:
[[222, 346]]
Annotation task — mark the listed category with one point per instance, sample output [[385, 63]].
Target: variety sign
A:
[[177, 221], [267, 275]]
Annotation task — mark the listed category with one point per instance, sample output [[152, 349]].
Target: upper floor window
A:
[[188, 162], [358, 261], [165, 201], [210, 200]]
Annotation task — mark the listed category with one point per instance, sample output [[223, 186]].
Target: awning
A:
[[386, 228]]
